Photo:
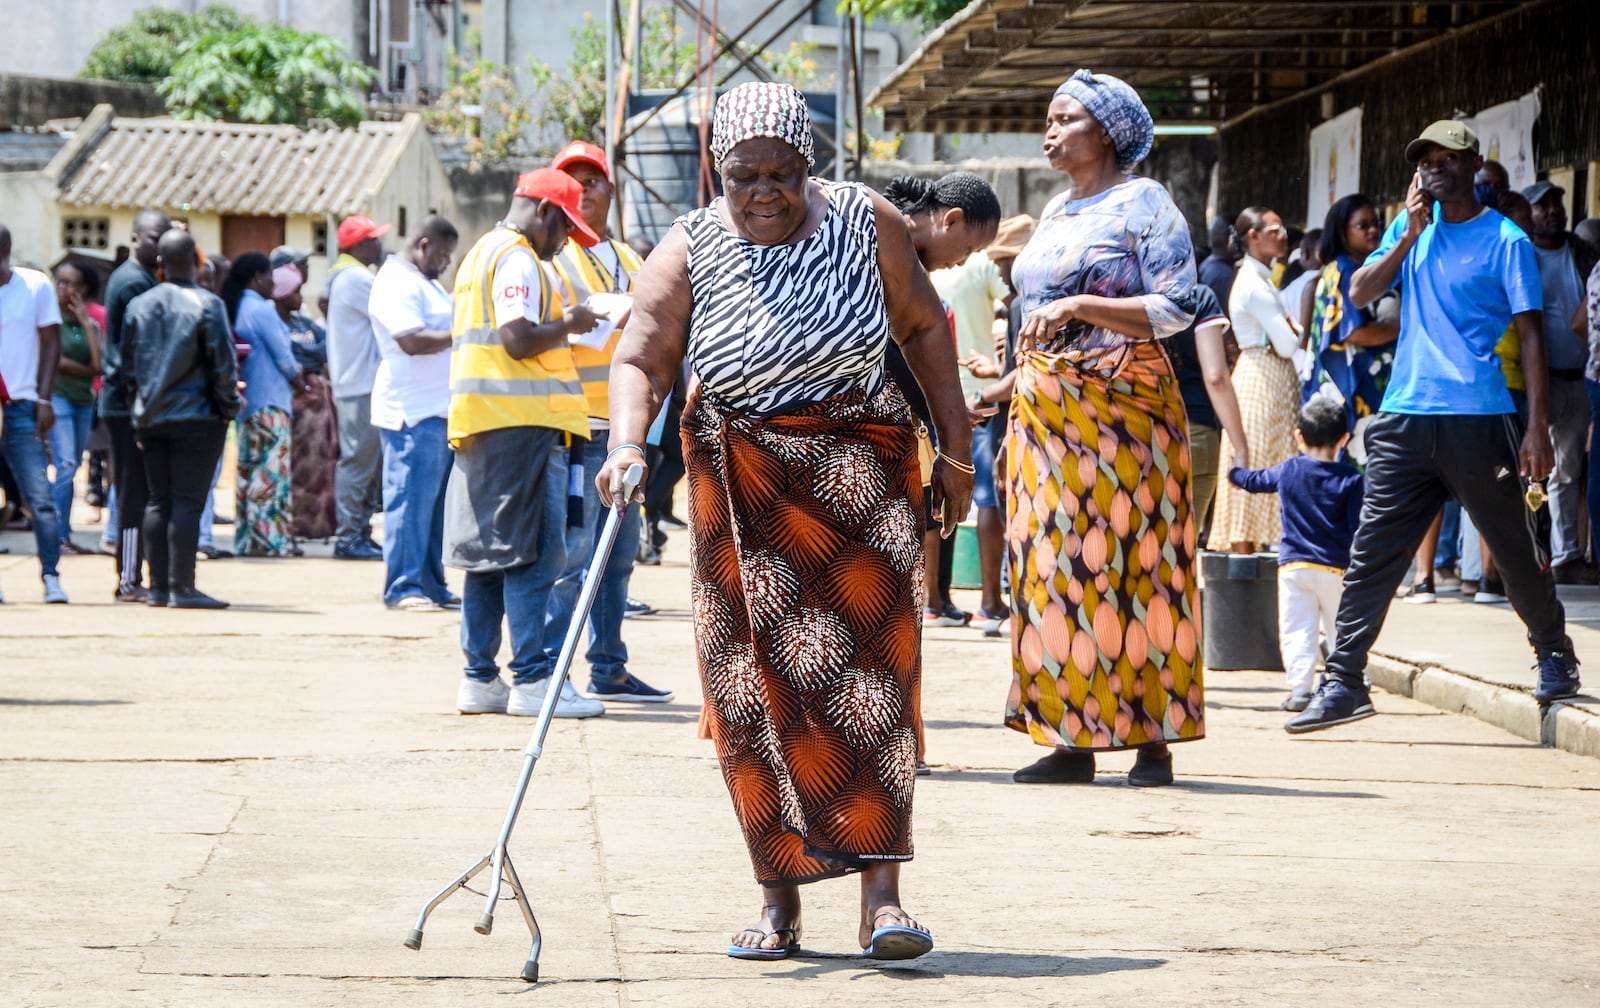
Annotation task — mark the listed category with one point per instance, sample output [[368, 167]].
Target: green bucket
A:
[[967, 572]]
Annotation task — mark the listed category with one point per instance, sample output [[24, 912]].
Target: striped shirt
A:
[[778, 327]]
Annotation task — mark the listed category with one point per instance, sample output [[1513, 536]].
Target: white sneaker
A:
[[528, 698], [474, 697], [53, 595]]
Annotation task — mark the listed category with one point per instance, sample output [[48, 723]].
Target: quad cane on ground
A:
[[499, 859]]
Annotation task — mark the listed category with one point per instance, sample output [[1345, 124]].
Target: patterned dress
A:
[[262, 484], [1099, 531], [806, 563], [1268, 390], [1361, 374]]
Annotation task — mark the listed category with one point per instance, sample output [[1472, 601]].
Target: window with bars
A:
[[86, 232]]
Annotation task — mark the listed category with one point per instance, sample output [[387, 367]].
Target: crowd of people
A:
[[851, 372]]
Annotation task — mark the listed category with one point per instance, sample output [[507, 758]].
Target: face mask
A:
[[1484, 193]]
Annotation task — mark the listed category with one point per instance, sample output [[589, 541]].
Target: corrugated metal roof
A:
[[28, 151], [235, 169], [993, 67]]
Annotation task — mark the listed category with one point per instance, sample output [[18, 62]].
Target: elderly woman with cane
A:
[[805, 503], [1096, 478]]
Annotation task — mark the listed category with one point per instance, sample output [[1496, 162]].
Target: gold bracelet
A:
[[964, 467]]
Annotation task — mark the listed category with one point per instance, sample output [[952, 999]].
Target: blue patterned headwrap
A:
[[761, 109], [1116, 107]]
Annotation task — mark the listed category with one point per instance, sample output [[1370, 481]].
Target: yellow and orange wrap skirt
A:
[[1105, 647]]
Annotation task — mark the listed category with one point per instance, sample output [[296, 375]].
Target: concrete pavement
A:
[[249, 808], [1461, 656]]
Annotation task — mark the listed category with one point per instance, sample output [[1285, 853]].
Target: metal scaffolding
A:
[[624, 27]]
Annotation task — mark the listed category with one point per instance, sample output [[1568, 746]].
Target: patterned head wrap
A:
[[761, 110], [1117, 108]]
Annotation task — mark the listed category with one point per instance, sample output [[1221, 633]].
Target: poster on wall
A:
[[1505, 134], [1335, 163]]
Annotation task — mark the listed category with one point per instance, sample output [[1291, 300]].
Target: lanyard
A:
[[618, 277]]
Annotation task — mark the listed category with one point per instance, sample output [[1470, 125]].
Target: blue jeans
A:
[[519, 595], [69, 439], [1449, 550], [1593, 388], [208, 515], [607, 655], [416, 465], [580, 550], [983, 457], [29, 462]]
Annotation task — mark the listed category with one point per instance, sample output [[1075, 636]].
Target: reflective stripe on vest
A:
[[584, 275], [489, 389]]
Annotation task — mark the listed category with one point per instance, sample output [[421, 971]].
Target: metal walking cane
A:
[[498, 859]]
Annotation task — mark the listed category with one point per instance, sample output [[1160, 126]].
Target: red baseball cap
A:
[[355, 230], [564, 191], [582, 152]]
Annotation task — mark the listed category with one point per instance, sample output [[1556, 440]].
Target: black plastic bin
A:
[[1239, 611]]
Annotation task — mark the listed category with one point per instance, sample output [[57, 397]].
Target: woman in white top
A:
[[1264, 380]]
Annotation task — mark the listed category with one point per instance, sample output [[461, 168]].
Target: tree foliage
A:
[[268, 74], [483, 109], [145, 49], [930, 13], [572, 104], [218, 65]]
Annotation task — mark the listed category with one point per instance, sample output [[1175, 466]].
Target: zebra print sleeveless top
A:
[[777, 327]]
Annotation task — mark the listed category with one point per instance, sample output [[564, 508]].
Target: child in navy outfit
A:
[[1321, 502]]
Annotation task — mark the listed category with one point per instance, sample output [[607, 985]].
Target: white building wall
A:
[[28, 210], [52, 38]]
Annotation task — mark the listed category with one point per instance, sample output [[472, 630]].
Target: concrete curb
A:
[[1573, 726]]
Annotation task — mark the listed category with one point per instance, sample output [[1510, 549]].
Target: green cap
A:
[[1447, 133]]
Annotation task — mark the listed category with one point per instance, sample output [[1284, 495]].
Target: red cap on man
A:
[[582, 152], [564, 191], [355, 230]]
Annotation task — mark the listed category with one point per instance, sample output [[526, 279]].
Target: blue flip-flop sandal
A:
[[898, 941], [767, 954]]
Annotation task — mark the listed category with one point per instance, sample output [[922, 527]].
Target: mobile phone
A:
[[1430, 199]]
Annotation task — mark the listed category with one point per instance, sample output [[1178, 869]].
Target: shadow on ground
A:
[[21, 702], [962, 963]]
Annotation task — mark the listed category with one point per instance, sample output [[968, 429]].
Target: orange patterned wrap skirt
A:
[[1105, 648], [806, 571]]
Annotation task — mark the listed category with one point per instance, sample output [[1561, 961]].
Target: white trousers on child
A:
[[1308, 602]]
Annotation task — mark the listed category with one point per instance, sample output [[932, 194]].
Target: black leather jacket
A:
[[127, 282], [183, 362]]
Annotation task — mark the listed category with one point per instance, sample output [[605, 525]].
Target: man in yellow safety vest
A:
[[605, 269], [516, 406]]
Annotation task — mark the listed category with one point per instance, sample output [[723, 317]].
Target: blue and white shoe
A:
[[629, 689], [1334, 703], [1558, 674], [635, 607]]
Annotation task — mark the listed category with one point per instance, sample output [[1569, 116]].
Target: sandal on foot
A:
[[766, 954], [897, 941]]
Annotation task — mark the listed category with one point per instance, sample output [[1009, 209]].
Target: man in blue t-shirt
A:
[[1447, 425]]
